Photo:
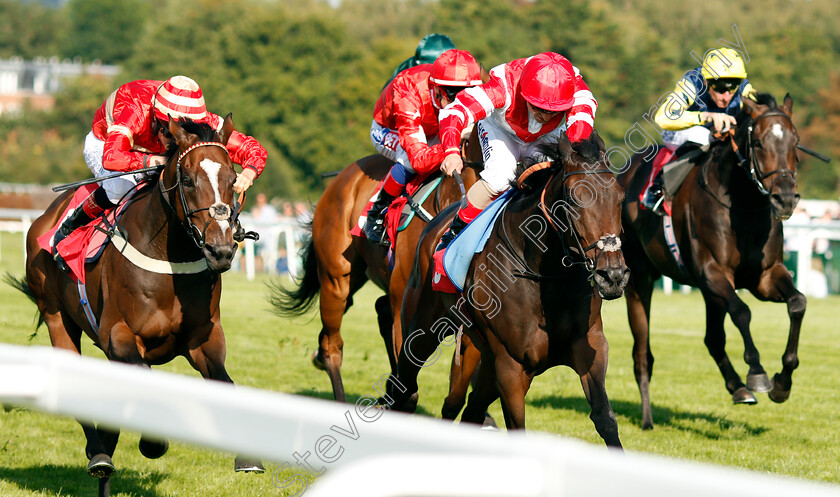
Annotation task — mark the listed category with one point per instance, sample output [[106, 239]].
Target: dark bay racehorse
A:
[[336, 264], [727, 224], [144, 317], [529, 302]]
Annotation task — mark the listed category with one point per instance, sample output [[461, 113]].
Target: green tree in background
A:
[[29, 30], [303, 77], [105, 30]]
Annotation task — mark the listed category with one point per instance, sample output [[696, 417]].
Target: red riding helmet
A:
[[180, 96], [455, 68], [548, 82]]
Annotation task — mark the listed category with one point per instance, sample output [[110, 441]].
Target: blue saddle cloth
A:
[[459, 254]]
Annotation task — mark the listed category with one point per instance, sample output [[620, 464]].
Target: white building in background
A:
[[35, 82]]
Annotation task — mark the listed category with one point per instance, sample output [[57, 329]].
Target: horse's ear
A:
[[564, 146], [227, 128], [596, 139], [787, 106], [485, 74], [182, 138], [751, 106]]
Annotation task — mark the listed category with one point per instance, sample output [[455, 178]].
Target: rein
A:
[[606, 243], [754, 169]]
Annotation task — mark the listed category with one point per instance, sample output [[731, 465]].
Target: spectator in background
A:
[[263, 210], [264, 215]]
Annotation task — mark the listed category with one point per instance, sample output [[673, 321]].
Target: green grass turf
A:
[[695, 419]]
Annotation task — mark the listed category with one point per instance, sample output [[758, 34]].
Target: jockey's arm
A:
[[673, 113], [581, 118]]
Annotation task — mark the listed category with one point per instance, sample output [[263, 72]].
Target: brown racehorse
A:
[[336, 264], [529, 302], [727, 224], [144, 317]]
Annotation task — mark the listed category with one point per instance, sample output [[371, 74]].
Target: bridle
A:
[[218, 211], [606, 243], [754, 170]]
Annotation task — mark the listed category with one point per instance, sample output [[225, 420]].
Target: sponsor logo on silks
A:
[[485, 142], [379, 134], [391, 141], [437, 277]]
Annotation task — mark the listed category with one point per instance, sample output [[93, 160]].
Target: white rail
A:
[[361, 449]]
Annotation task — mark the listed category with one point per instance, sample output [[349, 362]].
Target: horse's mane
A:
[[204, 132], [551, 152], [744, 119]]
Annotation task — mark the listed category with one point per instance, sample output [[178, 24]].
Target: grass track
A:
[[41, 455]]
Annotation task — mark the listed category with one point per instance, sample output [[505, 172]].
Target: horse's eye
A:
[[188, 182]]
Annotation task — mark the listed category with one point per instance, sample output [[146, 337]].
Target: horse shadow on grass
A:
[[712, 426], [351, 399], [50, 479]]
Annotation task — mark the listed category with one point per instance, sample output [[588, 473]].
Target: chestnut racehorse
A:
[[336, 264], [145, 316]]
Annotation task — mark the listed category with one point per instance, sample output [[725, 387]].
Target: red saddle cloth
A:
[[86, 242], [392, 217], [440, 280], [663, 156]]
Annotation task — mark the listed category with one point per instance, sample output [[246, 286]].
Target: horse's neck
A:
[[155, 230], [730, 180]]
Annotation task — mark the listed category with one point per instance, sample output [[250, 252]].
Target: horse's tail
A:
[[299, 299], [19, 283]]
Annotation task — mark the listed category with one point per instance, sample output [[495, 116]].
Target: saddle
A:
[[86, 243], [404, 208]]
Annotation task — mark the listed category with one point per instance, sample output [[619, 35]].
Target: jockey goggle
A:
[[534, 108], [725, 85], [450, 92]]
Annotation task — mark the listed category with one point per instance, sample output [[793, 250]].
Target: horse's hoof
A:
[[489, 423], [743, 396], [152, 449], [318, 361], [247, 465], [780, 391], [100, 466], [759, 383], [402, 404]]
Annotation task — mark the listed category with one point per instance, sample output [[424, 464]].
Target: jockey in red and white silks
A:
[[405, 124], [130, 132], [125, 136], [527, 102]]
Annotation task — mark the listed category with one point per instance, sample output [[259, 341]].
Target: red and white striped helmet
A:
[[548, 82], [455, 68], [180, 96]]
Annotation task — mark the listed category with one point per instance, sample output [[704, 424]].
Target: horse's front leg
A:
[[590, 355], [208, 358], [460, 375], [776, 285], [720, 297]]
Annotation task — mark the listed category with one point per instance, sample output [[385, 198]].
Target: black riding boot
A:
[[454, 229], [78, 219], [654, 196], [375, 224]]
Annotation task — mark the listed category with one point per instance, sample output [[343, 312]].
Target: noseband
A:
[[754, 170], [218, 211]]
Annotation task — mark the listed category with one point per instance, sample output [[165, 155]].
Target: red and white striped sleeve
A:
[[580, 120], [470, 106]]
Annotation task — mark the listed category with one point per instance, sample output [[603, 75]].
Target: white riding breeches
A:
[[696, 134], [114, 187]]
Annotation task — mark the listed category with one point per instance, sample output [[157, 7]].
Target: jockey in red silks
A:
[[527, 102], [130, 132], [405, 125]]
